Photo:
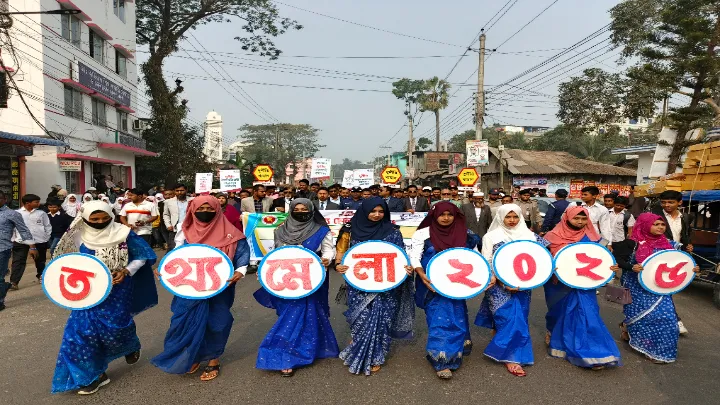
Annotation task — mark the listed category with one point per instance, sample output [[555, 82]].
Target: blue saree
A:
[[650, 320], [94, 337], [199, 329], [577, 331], [507, 313], [447, 319], [371, 317], [302, 332]]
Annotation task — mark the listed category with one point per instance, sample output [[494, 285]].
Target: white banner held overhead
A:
[[477, 152], [364, 178], [230, 180], [320, 168], [203, 183], [348, 180]]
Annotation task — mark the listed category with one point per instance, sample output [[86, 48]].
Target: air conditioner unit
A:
[[139, 125]]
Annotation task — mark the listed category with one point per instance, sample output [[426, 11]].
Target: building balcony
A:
[[130, 140]]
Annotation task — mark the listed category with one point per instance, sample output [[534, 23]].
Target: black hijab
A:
[[363, 229]]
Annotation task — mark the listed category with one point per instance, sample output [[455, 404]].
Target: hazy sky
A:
[[353, 123]]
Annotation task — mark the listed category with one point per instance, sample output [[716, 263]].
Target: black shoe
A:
[[252, 269], [2, 306], [132, 358], [95, 386]]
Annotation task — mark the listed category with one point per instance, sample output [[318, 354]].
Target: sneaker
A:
[[132, 358], [95, 386], [683, 329]]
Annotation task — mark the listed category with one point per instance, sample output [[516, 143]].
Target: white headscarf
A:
[[119, 204], [71, 208], [87, 197], [498, 232], [159, 197], [105, 242], [105, 200]]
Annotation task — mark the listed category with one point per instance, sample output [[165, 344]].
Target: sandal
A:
[[195, 367], [287, 373], [375, 369], [547, 338], [598, 368], [624, 335], [132, 358], [444, 374], [206, 376], [515, 369]]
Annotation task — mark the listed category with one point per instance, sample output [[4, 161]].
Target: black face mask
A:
[[97, 225], [205, 216], [302, 216]]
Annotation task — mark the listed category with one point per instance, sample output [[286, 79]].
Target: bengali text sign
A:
[[195, 271], [76, 281], [459, 273], [375, 266]]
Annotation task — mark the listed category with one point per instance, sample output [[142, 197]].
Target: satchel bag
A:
[[618, 294]]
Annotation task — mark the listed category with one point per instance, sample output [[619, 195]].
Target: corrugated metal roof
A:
[[35, 140], [519, 161]]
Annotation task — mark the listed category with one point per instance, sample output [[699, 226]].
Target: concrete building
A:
[[234, 150], [213, 137], [78, 75]]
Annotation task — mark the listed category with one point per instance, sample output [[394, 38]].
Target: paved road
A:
[[31, 329]]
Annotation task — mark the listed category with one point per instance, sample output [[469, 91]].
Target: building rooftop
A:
[[528, 162]]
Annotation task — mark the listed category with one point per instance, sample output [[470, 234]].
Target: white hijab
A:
[[111, 235], [498, 232], [85, 199], [71, 208], [105, 242]]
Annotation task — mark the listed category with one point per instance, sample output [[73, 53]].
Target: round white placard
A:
[[458, 273], [375, 266], [584, 265], [523, 264], [667, 272], [76, 281], [195, 271], [291, 272]]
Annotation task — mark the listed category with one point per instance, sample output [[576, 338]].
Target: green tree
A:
[[675, 44], [423, 143], [152, 171], [577, 142], [162, 25], [434, 97], [279, 145]]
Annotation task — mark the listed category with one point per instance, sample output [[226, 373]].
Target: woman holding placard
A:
[[575, 330], [448, 327], [96, 336], [302, 332], [504, 309], [372, 315], [651, 324], [200, 328]]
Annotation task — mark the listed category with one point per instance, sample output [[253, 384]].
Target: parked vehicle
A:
[[705, 206]]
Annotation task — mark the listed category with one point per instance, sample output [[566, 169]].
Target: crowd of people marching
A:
[[120, 228]]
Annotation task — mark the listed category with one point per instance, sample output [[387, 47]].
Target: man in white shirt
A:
[[620, 219], [174, 211], [139, 214], [39, 224], [598, 212], [335, 198]]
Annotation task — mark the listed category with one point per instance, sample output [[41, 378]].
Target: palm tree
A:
[[435, 98]]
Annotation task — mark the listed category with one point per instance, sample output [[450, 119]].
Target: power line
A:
[[503, 14], [287, 85], [323, 57], [528, 23], [243, 93], [368, 26]]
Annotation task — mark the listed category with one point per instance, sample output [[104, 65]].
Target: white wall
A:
[[45, 57]]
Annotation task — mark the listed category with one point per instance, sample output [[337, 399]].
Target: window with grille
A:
[[70, 29], [120, 64], [97, 47], [122, 121], [99, 116], [73, 103]]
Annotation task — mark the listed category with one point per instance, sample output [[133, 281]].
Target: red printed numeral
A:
[[204, 266], [74, 278], [461, 277], [519, 263], [288, 279], [673, 274], [586, 271], [376, 264]]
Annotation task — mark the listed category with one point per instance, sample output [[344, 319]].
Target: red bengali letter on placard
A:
[[74, 278], [377, 262], [676, 279], [288, 279]]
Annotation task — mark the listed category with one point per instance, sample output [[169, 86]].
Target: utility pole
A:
[[411, 146], [480, 102]]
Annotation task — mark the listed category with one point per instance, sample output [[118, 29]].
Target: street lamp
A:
[[60, 11]]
